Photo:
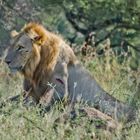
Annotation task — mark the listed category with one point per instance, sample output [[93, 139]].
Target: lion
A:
[[50, 68], [35, 36]]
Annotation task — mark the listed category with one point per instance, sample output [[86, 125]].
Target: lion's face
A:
[[19, 52]]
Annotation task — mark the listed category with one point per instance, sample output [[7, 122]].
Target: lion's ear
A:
[[34, 36], [37, 38], [14, 33]]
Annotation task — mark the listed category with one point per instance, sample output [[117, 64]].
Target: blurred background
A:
[[76, 20]]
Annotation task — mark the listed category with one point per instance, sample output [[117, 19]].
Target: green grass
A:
[[19, 122]]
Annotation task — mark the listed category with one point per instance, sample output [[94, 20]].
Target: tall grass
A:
[[19, 122]]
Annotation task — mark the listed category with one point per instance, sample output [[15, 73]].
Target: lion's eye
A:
[[19, 47]]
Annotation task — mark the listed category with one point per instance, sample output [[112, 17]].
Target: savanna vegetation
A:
[[105, 37]]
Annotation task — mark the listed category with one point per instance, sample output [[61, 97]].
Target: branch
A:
[[129, 26], [111, 124], [93, 114], [132, 46], [71, 16]]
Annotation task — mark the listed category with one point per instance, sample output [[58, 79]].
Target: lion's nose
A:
[[8, 61]]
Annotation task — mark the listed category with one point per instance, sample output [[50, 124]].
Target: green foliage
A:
[[117, 20]]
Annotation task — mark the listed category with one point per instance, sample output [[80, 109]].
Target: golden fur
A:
[[46, 49]]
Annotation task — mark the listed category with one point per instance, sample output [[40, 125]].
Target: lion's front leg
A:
[[29, 95]]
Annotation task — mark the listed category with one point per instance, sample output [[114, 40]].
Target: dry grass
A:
[[18, 122]]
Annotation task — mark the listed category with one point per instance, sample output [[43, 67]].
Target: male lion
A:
[[43, 57]]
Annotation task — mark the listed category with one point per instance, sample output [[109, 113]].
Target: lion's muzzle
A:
[[13, 68]]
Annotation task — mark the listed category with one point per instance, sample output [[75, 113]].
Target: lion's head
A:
[[19, 52], [31, 47]]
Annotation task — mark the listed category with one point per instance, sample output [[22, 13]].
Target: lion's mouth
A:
[[15, 69]]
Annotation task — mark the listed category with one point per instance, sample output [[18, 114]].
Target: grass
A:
[[19, 122]]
